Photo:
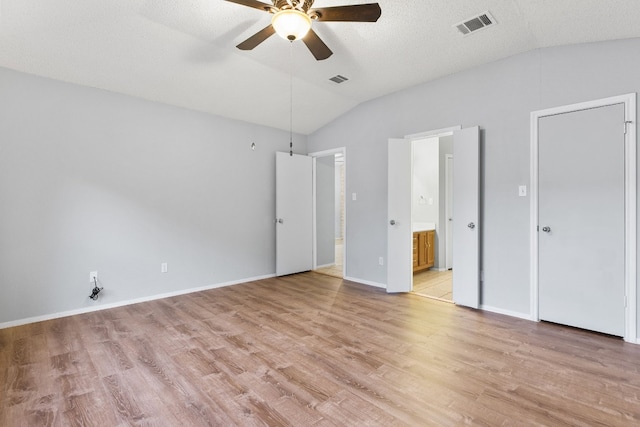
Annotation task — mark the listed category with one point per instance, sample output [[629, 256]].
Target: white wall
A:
[[499, 97], [426, 190], [92, 180]]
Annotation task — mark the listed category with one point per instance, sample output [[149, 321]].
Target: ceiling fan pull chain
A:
[[291, 98]]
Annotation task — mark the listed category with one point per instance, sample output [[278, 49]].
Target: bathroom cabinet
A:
[[423, 249]]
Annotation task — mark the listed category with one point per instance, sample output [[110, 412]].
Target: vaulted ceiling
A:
[[183, 52]]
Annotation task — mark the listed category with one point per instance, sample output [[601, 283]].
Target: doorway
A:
[[432, 158], [583, 211], [329, 212], [466, 226]]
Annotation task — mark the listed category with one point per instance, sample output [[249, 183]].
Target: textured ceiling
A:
[[183, 52]]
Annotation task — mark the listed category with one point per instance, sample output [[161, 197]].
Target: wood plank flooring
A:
[[434, 284], [336, 270], [312, 350]]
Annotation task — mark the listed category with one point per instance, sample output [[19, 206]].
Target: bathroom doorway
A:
[[329, 212], [432, 218]]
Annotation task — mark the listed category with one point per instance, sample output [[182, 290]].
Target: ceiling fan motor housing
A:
[[302, 5]]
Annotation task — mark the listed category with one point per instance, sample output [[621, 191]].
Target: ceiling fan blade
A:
[[316, 46], [257, 38], [357, 13], [253, 3]]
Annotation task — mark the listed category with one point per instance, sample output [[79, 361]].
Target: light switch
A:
[[353, 196], [522, 191]]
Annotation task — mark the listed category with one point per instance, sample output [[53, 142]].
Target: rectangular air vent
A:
[[476, 23], [338, 79]]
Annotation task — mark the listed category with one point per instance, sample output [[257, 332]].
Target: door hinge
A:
[[628, 122], [625, 301]]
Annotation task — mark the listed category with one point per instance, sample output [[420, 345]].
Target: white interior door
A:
[[581, 205], [399, 234], [294, 214], [449, 212], [466, 214]]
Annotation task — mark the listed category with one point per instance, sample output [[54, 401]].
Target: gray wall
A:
[[339, 168], [446, 147], [325, 210], [92, 180], [499, 97]]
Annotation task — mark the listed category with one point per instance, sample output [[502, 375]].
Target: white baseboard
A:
[[127, 302], [325, 265], [366, 282], [525, 316]]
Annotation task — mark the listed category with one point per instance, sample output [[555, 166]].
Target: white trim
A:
[[435, 132], [324, 153], [329, 152], [496, 310], [129, 302], [630, 276], [314, 232], [331, 264], [366, 282], [631, 218]]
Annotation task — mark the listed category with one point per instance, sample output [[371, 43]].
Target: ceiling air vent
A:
[[476, 23], [338, 79]]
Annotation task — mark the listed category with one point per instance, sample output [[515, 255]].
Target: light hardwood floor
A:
[[434, 284], [336, 270], [312, 350]]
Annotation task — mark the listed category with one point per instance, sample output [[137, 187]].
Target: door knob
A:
[[471, 225], [546, 229], [392, 222], [280, 220]]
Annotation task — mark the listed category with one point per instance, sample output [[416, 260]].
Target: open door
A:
[[399, 234], [294, 214], [466, 215]]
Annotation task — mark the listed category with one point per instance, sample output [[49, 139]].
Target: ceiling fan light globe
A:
[[291, 24]]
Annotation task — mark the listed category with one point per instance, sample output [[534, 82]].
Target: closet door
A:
[[581, 208], [294, 215]]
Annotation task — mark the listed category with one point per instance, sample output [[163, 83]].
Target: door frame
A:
[[423, 135], [630, 162], [314, 156]]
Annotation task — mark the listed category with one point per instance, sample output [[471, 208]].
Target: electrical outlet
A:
[[93, 277], [163, 267], [381, 261]]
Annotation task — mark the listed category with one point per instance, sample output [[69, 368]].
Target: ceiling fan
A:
[[292, 20]]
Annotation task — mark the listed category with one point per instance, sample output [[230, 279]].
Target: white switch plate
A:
[[163, 267], [522, 191], [353, 196], [381, 261], [92, 275]]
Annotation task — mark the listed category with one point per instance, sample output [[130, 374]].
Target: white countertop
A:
[[423, 226]]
